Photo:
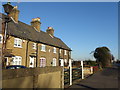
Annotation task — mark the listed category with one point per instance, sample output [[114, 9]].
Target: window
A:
[[42, 62], [54, 62], [34, 46], [65, 61], [17, 60], [60, 50], [1, 38], [43, 47], [17, 42], [65, 52], [54, 50]]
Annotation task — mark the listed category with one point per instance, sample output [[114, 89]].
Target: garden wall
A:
[[47, 77]]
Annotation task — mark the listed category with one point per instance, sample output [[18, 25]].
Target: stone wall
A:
[[47, 77]]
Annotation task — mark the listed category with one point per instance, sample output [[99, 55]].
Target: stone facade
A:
[[27, 51]]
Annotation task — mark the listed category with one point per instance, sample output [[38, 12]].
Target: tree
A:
[[103, 56]]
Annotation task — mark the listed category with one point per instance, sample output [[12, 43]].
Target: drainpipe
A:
[[36, 54], [27, 53], [59, 56]]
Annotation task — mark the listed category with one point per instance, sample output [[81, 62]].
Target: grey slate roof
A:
[[24, 31]]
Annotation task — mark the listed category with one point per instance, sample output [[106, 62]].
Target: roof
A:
[[27, 32]]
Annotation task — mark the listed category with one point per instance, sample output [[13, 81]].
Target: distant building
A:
[[28, 45]]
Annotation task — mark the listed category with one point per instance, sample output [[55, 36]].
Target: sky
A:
[[83, 26]]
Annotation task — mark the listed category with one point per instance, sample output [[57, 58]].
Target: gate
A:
[[76, 74]]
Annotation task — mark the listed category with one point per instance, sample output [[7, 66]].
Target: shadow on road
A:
[[87, 87]]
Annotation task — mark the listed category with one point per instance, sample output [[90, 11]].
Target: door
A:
[[32, 62], [61, 62]]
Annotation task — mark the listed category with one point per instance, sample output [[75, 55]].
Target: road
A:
[[108, 78]]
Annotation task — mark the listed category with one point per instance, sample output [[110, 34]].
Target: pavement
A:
[[107, 78]]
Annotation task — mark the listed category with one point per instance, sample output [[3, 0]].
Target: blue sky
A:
[[83, 26]]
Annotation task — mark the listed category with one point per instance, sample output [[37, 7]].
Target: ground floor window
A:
[[42, 62], [17, 60], [54, 62]]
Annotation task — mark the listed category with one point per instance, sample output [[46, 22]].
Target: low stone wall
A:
[[47, 77]]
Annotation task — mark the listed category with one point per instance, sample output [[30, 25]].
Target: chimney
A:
[[36, 23], [14, 13], [50, 31]]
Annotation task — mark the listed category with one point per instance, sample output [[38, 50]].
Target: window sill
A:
[[43, 50], [17, 47]]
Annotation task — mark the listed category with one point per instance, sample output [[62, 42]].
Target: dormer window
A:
[[34, 46], [43, 48], [54, 50], [17, 42]]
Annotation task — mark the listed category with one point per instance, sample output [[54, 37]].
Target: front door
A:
[[61, 62], [32, 62]]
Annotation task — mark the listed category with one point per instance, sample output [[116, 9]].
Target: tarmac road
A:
[[108, 78]]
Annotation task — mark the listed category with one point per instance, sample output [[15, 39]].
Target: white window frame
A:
[[17, 60], [43, 47], [1, 38], [34, 46], [54, 49], [42, 62], [65, 60], [54, 62], [17, 42], [65, 52]]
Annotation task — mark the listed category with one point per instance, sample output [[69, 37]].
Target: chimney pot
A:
[[50, 28]]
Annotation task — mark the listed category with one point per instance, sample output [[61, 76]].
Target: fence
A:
[[77, 73]]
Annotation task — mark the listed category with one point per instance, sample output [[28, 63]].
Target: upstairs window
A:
[[43, 47], [65, 52], [17, 42], [54, 50], [34, 46], [1, 38], [60, 50]]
